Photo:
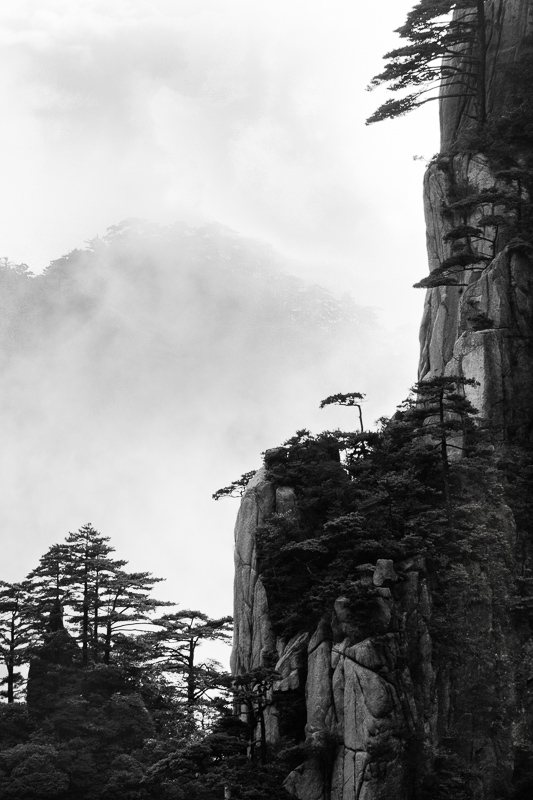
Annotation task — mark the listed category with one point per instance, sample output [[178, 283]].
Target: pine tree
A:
[[179, 640], [126, 606], [50, 580], [444, 414], [440, 53], [236, 488], [17, 633], [351, 399], [252, 692], [89, 568]]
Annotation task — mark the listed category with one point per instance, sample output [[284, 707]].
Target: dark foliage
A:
[[429, 59], [147, 718], [236, 488], [361, 497]]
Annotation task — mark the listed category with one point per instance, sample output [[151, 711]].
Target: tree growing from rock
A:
[[236, 488], [440, 53], [479, 216], [351, 399], [252, 692], [443, 412]]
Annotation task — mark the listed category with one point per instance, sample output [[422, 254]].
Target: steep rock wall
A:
[[483, 327], [389, 714], [254, 642], [381, 709], [360, 695], [510, 27]]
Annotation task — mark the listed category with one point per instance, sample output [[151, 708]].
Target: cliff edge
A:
[[413, 682]]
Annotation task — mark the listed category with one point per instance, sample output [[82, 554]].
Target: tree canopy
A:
[[102, 689], [440, 53]]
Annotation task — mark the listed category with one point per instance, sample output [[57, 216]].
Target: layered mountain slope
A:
[[415, 682]]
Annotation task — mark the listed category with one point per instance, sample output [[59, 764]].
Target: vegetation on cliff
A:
[[439, 496], [446, 57], [429, 62], [427, 488], [107, 698], [363, 496]]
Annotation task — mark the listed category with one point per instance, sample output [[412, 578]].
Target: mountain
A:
[[398, 622], [140, 372]]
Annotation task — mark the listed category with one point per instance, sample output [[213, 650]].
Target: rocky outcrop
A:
[[510, 27], [431, 696], [382, 709], [254, 642], [253, 637], [361, 707], [482, 327]]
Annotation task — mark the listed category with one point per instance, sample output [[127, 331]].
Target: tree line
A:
[[79, 584], [440, 53], [108, 694]]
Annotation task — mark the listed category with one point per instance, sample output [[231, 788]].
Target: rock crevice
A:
[[385, 710]]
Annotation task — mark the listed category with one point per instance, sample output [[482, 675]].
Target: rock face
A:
[[377, 710], [357, 713], [509, 42], [386, 715], [254, 642], [482, 328]]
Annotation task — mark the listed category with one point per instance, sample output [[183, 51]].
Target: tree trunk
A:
[[262, 730], [107, 643], [85, 626], [10, 681], [360, 418], [252, 723], [11, 664], [95, 618], [444, 450], [191, 679]]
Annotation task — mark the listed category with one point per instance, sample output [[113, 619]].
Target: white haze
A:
[[244, 112]]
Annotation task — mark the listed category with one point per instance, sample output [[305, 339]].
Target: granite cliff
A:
[[431, 697]]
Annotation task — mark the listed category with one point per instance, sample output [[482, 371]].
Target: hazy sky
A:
[[246, 112]]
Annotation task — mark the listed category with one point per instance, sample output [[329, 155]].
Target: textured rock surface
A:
[[383, 711], [510, 29], [377, 706], [359, 693], [482, 328], [253, 636], [254, 642]]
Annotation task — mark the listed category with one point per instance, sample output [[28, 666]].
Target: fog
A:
[[153, 365], [142, 373]]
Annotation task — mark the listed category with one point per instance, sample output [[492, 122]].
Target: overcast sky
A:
[[249, 113]]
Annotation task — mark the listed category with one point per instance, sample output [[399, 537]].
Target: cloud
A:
[[246, 112], [250, 113], [142, 374]]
